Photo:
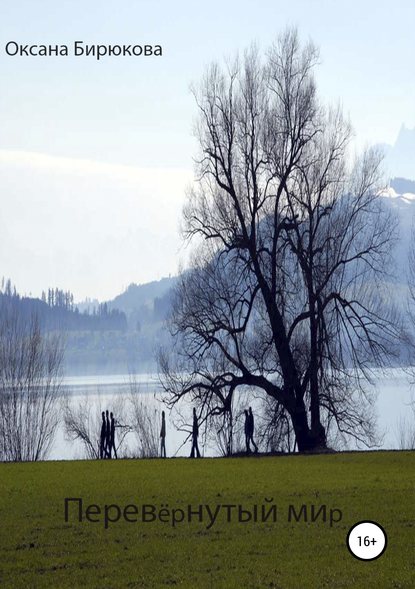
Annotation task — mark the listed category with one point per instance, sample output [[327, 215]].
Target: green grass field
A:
[[38, 549]]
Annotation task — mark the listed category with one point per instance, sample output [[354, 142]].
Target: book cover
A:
[[207, 299]]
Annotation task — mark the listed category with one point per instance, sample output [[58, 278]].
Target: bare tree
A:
[[410, 308], [225, 429], [405, 431], [145, 421], [405, 427], [30, 384], [284, 288], [82, 420], [275, 428]]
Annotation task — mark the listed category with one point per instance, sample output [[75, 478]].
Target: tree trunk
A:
[[307, 439]]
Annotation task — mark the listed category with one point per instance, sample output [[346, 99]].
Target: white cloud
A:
[[89, 226]]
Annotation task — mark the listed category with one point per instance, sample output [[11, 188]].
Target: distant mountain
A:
[[123, 334], [141, 300], [402, 204], [400, 158], [402, 186], [146, 306], [116, 336]]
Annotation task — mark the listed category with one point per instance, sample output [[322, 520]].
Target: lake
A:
[[393, 407]]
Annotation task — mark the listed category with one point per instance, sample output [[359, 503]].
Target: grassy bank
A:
[[39, 549]]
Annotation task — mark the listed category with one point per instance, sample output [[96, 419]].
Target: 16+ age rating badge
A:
[[367, 540]]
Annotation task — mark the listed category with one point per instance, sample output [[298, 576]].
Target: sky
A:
[[96, 156]]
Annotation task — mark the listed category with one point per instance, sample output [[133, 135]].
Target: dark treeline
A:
[[57, 311], [116, 335], [59, 298]]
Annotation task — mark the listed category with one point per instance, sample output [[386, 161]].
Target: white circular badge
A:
[[367, 540]]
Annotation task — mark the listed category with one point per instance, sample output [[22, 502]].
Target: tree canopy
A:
[[283, 291]]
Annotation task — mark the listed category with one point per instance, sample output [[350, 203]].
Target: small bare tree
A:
[[145, 421], [226, 428], [82, 420], [30, 385], [405, 431]]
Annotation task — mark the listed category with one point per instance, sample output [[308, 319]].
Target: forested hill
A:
[[112, 337], [145, 307], [57, 311], [145, 303]]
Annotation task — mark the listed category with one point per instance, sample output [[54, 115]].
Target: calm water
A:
[[393, 406]]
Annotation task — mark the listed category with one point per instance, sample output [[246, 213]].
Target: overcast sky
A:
[[95, 156]]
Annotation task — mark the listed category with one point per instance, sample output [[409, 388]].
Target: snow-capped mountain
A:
[[402, 205]]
